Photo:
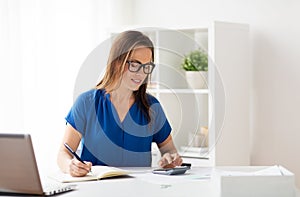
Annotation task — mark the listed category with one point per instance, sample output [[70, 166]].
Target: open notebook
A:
[[18, 168], [97, 173]]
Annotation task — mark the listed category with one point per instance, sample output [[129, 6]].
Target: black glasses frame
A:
[[140, 66]]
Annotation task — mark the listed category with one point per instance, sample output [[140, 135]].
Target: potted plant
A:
[[195, 65]]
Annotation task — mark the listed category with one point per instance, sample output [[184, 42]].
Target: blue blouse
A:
[[108, 141]]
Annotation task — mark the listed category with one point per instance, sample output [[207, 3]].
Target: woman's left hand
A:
[[170, 160]]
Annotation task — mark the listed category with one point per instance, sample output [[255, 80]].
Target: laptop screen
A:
[[18, 168]]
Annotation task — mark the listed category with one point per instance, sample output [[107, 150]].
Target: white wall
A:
[[43, 45], [274, 36], [11, 106]]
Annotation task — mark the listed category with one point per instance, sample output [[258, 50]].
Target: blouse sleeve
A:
[[77, 114]]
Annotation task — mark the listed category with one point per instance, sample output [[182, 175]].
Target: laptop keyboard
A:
[[51, 188]]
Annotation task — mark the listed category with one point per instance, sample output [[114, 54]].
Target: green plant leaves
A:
[[195, 61]]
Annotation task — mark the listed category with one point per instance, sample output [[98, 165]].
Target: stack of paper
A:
[[258, 181]]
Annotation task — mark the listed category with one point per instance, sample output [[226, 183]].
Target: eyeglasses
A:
[[136, 67]]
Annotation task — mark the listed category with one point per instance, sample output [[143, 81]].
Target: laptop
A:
[[18, 168]]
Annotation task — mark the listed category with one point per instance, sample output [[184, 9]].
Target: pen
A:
[[74, 153]]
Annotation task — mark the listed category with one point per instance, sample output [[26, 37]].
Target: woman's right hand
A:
[[77, 168]]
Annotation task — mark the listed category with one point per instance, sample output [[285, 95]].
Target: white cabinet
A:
[[230, 50], [223, 107]]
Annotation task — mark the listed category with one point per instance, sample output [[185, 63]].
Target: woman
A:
[[117, 121]]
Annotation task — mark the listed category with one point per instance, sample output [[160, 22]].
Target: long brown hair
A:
[[120, 51]]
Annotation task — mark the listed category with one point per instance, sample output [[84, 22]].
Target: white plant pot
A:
[[196, 79]]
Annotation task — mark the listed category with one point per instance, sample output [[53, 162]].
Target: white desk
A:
[[147, 184], [193, 183]]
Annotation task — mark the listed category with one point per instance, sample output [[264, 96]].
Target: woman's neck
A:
[[122, 101], [121, 95]]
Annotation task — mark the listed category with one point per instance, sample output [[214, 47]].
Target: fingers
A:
[[177, 159], [170, 160], [77, 168]]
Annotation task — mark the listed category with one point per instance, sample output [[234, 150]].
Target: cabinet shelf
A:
[[194, 152], [179, 91]]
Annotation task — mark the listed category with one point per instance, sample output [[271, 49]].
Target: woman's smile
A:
[[136, 81]]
